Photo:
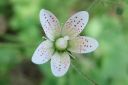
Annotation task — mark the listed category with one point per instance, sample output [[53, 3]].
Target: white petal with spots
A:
[[43, 52], [75, 24], [82, 44], [60, 64], [50, 24]]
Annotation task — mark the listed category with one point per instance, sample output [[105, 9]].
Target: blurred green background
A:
[[21, 32]]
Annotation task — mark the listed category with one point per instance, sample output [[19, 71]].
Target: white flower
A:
[[61, 41]]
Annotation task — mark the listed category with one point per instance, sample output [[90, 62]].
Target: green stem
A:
[[71, 55], [81, 73], [93, 4], [84, 75]]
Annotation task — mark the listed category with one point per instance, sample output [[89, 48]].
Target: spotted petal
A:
[[75, 24], [82, 44], [43, 53], [50, 24], [60, 64]]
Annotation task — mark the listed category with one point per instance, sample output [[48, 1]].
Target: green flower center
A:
[[61, 44]]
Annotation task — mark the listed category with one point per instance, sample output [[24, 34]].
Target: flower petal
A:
[[43, 53], [82, 44], [60, 64], [50, 24], [75, 24]]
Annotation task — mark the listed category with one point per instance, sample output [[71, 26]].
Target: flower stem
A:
[[80, 72], [84, 75], [71, 55], [93, 4]]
